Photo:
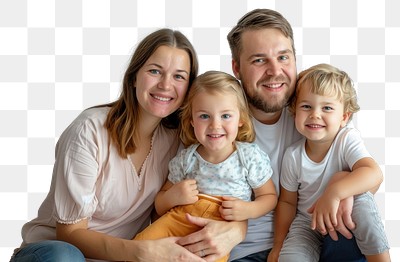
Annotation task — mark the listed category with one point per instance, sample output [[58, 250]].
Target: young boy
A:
[[324, 103]]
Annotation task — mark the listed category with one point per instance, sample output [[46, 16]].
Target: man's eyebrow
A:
[[285, 51]]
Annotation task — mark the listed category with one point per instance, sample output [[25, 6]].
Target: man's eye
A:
[[283, 57], [258, 61]]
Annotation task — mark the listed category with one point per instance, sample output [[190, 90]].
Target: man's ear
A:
[[236, 69]]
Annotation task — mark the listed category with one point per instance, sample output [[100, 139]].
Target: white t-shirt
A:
[[308, 178], [273, 140]]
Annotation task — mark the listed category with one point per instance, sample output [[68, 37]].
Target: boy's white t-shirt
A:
[[308, 178]]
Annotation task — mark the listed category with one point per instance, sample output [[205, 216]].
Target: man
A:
[[264, 60]]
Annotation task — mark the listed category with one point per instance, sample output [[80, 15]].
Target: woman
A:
[[112, 160]]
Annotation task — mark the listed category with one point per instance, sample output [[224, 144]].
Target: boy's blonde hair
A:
[[214, 82], [327, 80]]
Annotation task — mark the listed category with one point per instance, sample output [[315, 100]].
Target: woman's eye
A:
[[154, 71], [179, 77]]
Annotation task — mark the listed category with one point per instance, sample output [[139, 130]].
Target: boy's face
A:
[[319, 118]]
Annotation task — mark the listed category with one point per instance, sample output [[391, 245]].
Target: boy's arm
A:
[[239, 210], [285, 213], [171, 195], [366, 175]]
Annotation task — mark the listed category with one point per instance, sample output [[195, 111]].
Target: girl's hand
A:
[[233, 209], [184, 192]]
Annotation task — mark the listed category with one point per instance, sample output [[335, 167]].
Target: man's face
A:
[[267, 69]]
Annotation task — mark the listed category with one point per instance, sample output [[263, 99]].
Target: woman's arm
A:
[[101, 246]]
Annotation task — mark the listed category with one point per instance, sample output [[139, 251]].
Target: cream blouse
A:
[[90, 180]]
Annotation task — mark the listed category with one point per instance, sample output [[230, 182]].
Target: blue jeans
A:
[[49, 251], [343, 250]]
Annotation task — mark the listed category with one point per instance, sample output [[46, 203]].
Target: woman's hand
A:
[[216, 238]]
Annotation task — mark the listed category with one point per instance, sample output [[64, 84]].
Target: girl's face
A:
[[162, 82], [216, 120], [319, 118]]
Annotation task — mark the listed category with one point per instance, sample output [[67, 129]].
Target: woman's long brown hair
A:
[[123, 118]]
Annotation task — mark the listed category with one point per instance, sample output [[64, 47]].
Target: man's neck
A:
[[266, 118]]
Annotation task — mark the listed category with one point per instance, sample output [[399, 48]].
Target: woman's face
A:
[[162, 82]]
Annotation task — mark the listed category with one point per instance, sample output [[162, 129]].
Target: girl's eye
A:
[[328, 108], [204, 116], [226, 116]]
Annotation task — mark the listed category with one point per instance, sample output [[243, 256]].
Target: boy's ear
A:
[[346, 118]]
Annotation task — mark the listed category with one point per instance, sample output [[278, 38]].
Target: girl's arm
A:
[[239, 210], [171, 195], [285, 213], [101, 246]]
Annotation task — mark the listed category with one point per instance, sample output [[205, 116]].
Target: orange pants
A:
[[174, 223]]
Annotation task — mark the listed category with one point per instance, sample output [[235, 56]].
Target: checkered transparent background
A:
[[58, 57]]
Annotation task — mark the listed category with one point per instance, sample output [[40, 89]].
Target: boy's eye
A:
[[204, 116], [328, 108]]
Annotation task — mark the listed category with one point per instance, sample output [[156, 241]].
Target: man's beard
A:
[[260, 104]]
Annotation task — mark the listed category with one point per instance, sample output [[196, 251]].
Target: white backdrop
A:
[[58, 57]]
